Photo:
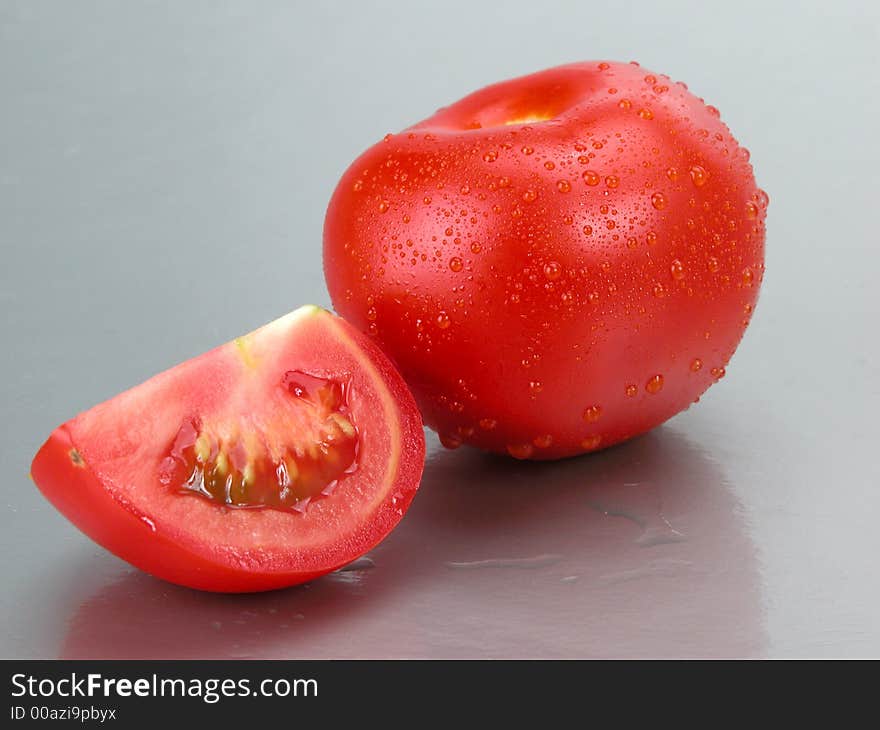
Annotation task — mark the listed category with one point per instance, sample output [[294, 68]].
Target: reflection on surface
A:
[[636, 551]]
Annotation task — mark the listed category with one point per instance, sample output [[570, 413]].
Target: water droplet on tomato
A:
[[658, 200], [543, 442], [631, 390], [592, 414], [590, 443], [443, 320], [552, 270], [676, 268], [699, 175], [591, 177], [696, 365], [520, 451], [612, 181], [455, 264], [654, 384], [563, 186]]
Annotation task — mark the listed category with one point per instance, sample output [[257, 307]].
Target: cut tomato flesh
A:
[[297, 451], [266, 462]]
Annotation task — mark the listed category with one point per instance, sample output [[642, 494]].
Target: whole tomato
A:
[[557, 262]]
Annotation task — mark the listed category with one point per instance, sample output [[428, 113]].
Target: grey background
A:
[[164, 171]]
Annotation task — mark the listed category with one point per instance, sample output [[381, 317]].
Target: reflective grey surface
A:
[[164, 170]]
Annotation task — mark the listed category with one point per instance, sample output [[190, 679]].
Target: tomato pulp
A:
[[266, 462], [556, 263]]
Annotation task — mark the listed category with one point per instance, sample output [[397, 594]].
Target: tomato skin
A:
[[196, 555], [553, 286]]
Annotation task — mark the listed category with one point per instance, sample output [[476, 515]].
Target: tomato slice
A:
[[266, 462]]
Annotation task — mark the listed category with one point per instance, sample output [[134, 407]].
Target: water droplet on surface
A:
[[718, 373], [362, 563], [646, 114], [455, 264], [624, 104], [612, 181], [676, 268], [443, 320], [592, 414], [536, 386], [658, 200], [527, 150], [537, 561], [699, 175], [712, 264], [520, 451], [672, 174], [384, 206], [563, 186], [552, 270], [543, 442], [550, 165], [529, 196], [490, 156], [751, 211], [696, 365], [631, 390], [488, 424], [591, 177], [641, 504], [654, 384], [590, 443], [747, 277]]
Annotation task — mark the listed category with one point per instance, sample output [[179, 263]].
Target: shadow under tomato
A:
[[639, 550]]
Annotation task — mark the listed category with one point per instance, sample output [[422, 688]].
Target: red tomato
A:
[[556, 263], [264, 463]]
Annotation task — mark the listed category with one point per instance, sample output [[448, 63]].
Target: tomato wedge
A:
[[266, 462]]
